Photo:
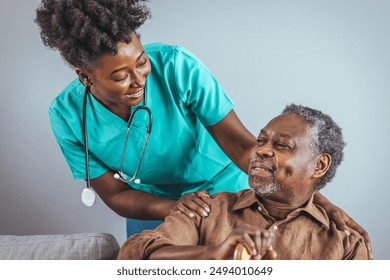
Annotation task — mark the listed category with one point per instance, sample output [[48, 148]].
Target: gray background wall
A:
[[331, 55]]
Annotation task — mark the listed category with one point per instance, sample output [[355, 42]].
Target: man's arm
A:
[[257, 241], [177, 230], [181, 253]]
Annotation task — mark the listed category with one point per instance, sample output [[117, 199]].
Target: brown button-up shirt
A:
[[306, 233]]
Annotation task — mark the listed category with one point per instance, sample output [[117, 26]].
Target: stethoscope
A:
[[88, 196]]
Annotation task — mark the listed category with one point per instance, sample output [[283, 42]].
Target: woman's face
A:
[[119, 81]]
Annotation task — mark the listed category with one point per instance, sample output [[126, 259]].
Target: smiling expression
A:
[[118, 82], [282, 163]]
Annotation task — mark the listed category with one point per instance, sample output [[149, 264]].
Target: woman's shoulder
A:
[[168, 51], [162, 47], [71, 94]]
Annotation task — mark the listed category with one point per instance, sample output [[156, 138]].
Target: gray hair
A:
[[327, 137]]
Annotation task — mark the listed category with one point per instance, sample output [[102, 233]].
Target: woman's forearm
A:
[[322, 201], [129, 202], [234, 139], [141, 205]]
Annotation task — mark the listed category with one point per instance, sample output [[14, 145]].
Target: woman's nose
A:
[[138, 79]]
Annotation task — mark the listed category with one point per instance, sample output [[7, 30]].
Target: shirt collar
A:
[[247, 198]]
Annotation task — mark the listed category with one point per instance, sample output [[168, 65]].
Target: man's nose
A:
[[265, 151]]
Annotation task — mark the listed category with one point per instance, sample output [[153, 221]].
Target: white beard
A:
[[266, 190]]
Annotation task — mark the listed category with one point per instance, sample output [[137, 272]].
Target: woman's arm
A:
[[237, 142], [231, 135], [128, 202], [342, 219], [234, 139]]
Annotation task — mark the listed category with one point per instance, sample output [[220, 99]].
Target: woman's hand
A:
[[196, 202], [257, 242], [342, 219]]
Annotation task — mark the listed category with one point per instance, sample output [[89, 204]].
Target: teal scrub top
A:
[[181, 155]]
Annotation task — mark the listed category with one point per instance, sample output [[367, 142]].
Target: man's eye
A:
[[282, 145], [261, 141]]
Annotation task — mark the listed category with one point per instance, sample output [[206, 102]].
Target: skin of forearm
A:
[[244, 162], [239, 154], [182, 253], [140, 205], [128, 202], [234, 139]]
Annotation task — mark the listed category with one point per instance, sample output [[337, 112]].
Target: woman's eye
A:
[[143, 62], [121, 78]]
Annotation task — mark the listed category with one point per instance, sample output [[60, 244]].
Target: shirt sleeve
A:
[[199, 89], [73, 149], [141, 245]]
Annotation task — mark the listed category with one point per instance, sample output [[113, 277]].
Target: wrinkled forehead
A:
[[290, 124]]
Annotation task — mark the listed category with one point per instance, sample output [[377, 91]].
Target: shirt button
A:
[[275, 227], [259, 208]]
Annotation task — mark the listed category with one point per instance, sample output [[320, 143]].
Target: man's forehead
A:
[[287, 125]]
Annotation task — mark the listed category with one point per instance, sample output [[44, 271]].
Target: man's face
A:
[[282, 163]]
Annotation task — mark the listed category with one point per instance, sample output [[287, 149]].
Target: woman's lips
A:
[[136, 94]]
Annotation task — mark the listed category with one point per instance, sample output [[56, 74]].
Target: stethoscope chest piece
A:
[[88, 197]]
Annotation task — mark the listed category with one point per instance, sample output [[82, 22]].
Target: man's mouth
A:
[[262, 170]]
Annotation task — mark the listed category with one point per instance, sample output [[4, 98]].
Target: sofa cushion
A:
[[79, 246]]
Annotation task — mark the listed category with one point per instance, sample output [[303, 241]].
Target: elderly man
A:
[[297, 154]]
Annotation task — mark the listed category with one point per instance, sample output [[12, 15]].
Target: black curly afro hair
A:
[[84, 30]]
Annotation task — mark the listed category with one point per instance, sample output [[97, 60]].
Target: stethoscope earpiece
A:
[[137, 181], [119, 177]]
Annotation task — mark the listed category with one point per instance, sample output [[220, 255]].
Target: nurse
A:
[[197, 142]]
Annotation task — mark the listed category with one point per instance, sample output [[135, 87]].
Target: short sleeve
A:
[[199, 89], [73, 149]]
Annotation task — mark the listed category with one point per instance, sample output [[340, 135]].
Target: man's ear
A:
[[83, 76], [322, 165]]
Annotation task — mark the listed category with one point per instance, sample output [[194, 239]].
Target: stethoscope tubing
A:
[[85, 135], [88, 196]]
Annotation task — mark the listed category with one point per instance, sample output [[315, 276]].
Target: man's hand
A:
[[257, 241]]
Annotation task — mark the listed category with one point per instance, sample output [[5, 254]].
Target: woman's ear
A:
[[83, 76], [322, 165]]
